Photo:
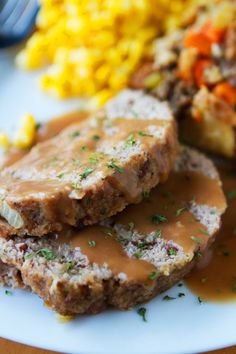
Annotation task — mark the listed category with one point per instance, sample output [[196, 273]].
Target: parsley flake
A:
[[86, 173], [92, 243], [8, 292], [142, 312], [231, 194], [46, 253], [157, 233], [84, 148], [205, 232], [76, 162], [168, 298], [181, 211], [112, 164], [200, 300], [131, 140], [131, 226], [158, 219], [74, 134], [153, 275], [96, 137], [61, 175], [145, 195], [145, 134], [196, 239], [181, 294]]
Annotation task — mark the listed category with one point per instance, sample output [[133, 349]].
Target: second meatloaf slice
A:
[[92, 169]]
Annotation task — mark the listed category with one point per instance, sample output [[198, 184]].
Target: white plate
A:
[[173, 327]]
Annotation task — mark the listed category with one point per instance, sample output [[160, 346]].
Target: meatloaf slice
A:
[[132, 257], [92, 169]]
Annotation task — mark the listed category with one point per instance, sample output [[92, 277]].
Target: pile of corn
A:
[[92, 47]]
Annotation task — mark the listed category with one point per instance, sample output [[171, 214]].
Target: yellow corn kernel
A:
[[25, 136], [4, 141]]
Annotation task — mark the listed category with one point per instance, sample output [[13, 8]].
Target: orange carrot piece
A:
[[214, 34], [199, 69], [226, 91], [199, 41]]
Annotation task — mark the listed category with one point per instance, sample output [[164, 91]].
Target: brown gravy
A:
[[101, 248], [167, 200], [217, 281]]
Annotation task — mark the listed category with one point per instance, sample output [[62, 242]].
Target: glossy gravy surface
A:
[[101, 248], [168, 201], [217, 280]]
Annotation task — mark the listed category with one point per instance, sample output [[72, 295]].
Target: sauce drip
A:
[[101, 248], [166, 200], [171, 200], [217, 280]]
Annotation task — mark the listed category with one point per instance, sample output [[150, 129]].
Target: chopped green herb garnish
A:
[[111, 164], [198, 254], [108, 231], [74, 134], [172, 251], [158, 219], [196, 239], [46, 253], [61, 175], [70, 266], [93, 160], [168, 298], [92, 243], [181, 294], [76, 185], [86, 173], [76, 162], [212, 212], [28, 255], [205, 232], [142, 312], [145, 134], [157, 233], [131, 140], [142, 245], [96, 137], [131, 226], [153, 275], [181, 210], [199, 300], [231, 194], [138, 254], [8, 292], [145, 195], [84, 148]]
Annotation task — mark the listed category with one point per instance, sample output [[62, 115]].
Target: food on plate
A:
[[92, 169], [130, 258], [194, 69], [92, 47]]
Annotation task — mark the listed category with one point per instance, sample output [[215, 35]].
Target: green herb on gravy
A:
[[158, 219], [92, 243], [196, 239], [231, 194], [145, 134], [157, 233], [181, 211], [74, 134], [95, 137], [142, 312], [153, 275], [61, 175], [205, 232]]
